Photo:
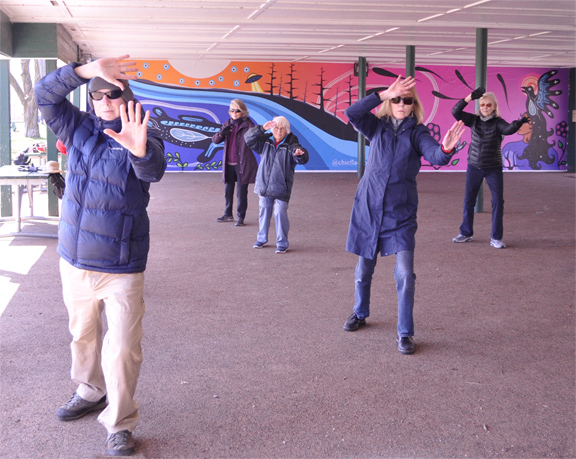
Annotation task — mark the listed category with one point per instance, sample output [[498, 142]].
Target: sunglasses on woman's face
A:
[[114, 94], [406, 100], [486, 105], [232, 110]]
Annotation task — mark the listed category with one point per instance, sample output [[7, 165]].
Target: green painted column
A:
[[52, 152], [5, 155], [362, 71], [481, 72], [410, 60]]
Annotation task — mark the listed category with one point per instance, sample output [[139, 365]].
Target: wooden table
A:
[[10, 175]]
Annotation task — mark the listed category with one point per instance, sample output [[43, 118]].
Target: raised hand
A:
[[134, 129], [110, 69], [453, 136], [477, 93], [401, 87], [524, 119]]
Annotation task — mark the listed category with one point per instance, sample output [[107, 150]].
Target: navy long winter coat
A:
[[386, 200], [104, 224], [275, 175]]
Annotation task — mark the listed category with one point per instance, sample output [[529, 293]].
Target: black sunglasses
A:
[[114, 94], [234, 111], [406, 100]]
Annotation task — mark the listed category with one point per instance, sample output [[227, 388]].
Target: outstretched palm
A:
[[133, 135]]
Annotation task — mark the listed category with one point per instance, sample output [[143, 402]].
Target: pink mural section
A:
[[314, 98]]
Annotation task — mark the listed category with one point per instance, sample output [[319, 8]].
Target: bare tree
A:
[[292, 80], [26, 96], [272, 78], [320, 93]]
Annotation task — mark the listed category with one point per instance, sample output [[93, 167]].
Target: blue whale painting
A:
[[186, 119]]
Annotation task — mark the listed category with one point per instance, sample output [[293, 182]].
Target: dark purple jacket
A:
[[247, 164]]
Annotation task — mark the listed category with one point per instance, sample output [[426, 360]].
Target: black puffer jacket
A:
[[485, 151]]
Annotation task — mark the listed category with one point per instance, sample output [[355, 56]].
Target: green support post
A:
[[362, 71], [481, 71], [5, 153], [52, 152], [410, 61]]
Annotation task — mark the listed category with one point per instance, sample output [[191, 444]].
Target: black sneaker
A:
[[77, 407], [240, 222], [406, 345], [225, 218], [120, 443], [354, 323]]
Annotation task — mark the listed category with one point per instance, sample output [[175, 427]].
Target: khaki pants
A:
[[110, 366]]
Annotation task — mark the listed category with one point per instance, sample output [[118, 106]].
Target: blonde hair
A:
[[242, 106], [417, 109], [283, 122], [492, 98]]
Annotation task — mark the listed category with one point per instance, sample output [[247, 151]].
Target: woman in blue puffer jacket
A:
[[383, 217], [103, 236]]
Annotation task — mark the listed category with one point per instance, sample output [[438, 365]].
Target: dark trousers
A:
[[495, 180], [241, 193]]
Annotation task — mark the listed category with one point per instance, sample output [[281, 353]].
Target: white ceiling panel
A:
[[520, 33]]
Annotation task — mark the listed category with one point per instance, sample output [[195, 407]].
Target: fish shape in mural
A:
[[186, 131]]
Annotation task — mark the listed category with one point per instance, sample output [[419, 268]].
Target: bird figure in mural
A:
[[538, 102]]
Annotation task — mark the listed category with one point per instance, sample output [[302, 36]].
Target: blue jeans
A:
[[280, 218], [405, 287], [495, 180]]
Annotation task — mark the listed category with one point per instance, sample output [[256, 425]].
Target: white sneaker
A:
[[497, 244], [462, 238]]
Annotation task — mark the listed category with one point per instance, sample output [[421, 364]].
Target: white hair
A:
[[282, 121]]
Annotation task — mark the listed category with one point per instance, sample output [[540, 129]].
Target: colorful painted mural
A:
[[187, 111]]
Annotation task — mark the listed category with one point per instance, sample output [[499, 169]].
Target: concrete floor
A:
[[244, 352]]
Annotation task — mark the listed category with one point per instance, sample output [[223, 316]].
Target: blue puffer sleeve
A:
[[151, 168], [61, 116]]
